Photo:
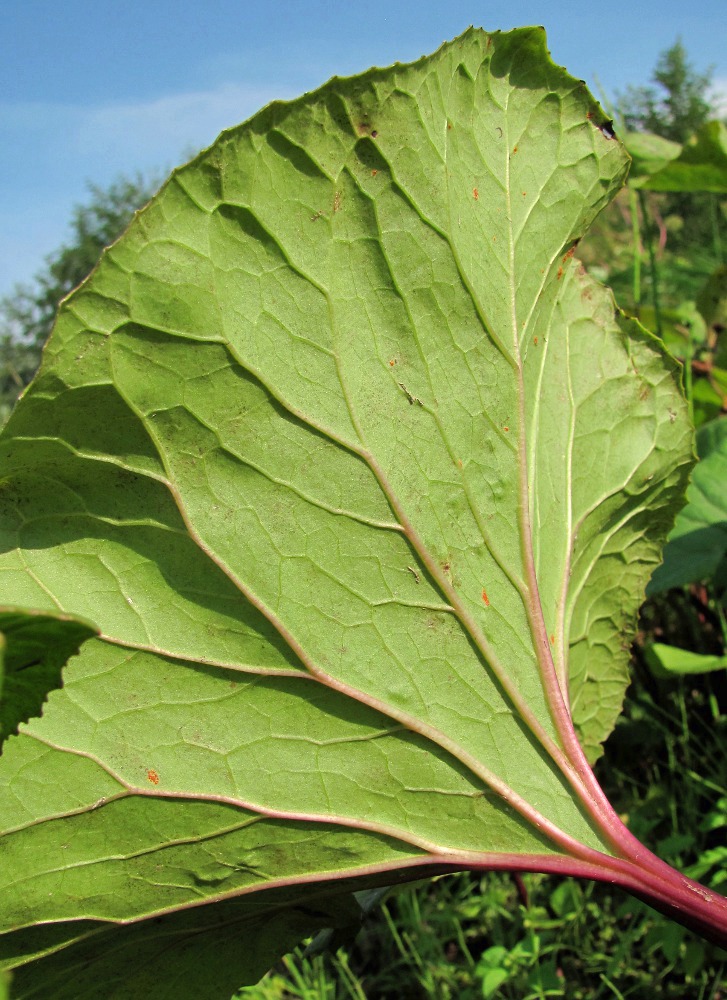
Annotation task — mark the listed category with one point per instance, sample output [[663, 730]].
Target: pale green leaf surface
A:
[[337, 447]]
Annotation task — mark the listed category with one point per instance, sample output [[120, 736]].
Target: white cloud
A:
[[168, 126]]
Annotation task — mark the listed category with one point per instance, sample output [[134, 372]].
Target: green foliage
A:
[[686, 224], [697, 546], [360, 478], [700, 166], [677, 102]]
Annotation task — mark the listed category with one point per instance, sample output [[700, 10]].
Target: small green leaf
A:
[[669, 660], [649, 153], [492, 980], [701, 165]]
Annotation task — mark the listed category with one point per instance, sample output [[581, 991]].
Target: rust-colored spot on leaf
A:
[[374, 173], [459, 462], [506, 429], [153, 777], [535, 341], [475, 194], [514, 149], [525, 194], [560, 273], [392, 362], [449, 126], [552, 639], [485, 599]]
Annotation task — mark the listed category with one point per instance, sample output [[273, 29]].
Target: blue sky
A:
[[90, 89]]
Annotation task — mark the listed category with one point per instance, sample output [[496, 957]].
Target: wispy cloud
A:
[[174, 123], [52, 149]]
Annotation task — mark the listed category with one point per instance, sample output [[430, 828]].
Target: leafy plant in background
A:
[[679, 173], [694, 331], [358, 479]]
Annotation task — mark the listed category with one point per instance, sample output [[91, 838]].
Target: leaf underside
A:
[[358, 474]]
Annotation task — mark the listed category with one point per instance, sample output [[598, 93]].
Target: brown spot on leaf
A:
[[374, 133], [475, 194], [514, 149], [560, 273], [392, 362], [485, 599], [552, 639], [374, 173], [153, 777], [535, 341], [337, 199]]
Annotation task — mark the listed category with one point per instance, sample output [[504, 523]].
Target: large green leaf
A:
[[697, 547], [361, 479]]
